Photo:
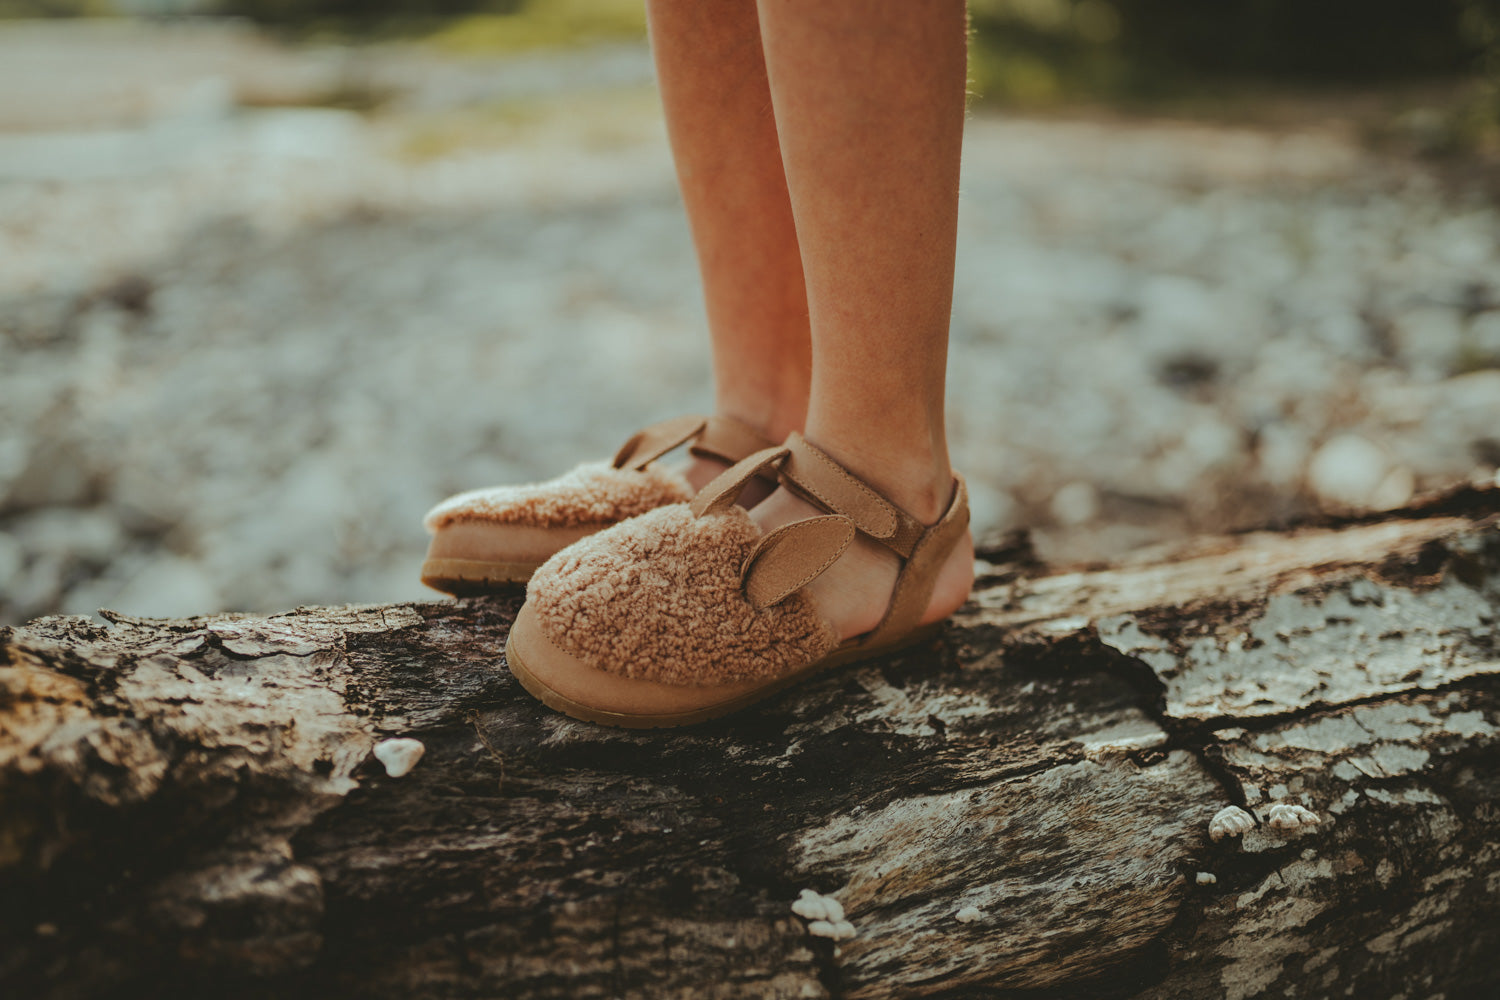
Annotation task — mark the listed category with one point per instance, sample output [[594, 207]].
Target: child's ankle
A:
[[916, 481]]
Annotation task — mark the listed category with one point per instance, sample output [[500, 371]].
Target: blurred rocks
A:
[[1348, 471], [1075, 504], [243, 348]]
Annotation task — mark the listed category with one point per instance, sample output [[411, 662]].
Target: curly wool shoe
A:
[[689, 612], [493, 539]]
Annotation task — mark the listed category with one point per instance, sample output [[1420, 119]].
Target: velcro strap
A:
[[821, 479], [646, 446], [792, 556], [721, 493], [728, 440]]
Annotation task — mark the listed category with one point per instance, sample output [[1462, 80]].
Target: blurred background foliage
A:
[[1222, 56], [1151, 47], [1026, 50], [1030, 54], [1419, 75], [473, 25]]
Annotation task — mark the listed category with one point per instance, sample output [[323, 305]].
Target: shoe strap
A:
[[650, 443], [818, 478], [792, 556], [724, 489], [919, 574], [728, 440], [723, 438], [924, 548]]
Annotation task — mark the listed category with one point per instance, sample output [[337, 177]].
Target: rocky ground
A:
[[246, 339]]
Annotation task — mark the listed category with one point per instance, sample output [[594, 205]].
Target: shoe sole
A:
[[585, 713], [472, 577]]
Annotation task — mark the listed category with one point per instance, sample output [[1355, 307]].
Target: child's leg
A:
[[869, 103], [712, 77]]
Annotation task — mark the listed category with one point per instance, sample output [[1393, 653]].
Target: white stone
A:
[[1347, 471], [968, 915], [399, 756], [1231, 821], [1394, 490], [1075, 503], [1206, 878]]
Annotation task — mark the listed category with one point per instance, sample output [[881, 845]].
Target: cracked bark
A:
[[192, 805]]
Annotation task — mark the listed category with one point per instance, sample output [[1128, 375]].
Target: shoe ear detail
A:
[[647, 445], [792, 556]]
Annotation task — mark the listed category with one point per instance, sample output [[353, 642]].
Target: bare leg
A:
[[869, 103], [712, 77]]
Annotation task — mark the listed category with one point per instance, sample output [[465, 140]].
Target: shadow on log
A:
[[1261, 765]]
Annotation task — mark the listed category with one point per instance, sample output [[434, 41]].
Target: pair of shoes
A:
[[688, 612], [490, 540]]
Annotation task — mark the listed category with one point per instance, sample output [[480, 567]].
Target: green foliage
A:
[[355, 15], [1032, 52], [546, 24], [1476, 124], [469, 26], [1038, 51], [55, 8]]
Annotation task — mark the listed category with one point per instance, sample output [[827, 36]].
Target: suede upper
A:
[[659, 598], [594, 493]]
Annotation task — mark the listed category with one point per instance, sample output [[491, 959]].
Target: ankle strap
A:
[[650, 443], [728, 440], [723, 438], [919, 573], [809, 471]]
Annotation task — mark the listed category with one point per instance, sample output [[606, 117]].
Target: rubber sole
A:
[[623, 720], [472, 577]]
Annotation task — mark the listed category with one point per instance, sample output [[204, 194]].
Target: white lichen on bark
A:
[[1231, 821], [814, 906], [1290, 816]]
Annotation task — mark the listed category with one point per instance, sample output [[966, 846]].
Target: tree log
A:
[[1034, 806]]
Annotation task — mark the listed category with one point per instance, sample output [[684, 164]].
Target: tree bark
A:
[[1023, 808]]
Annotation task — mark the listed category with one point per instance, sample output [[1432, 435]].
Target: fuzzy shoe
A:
[[493, 539], [689, 612]]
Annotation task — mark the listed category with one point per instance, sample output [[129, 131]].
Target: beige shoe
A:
[[493, 539], [688, 612]]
